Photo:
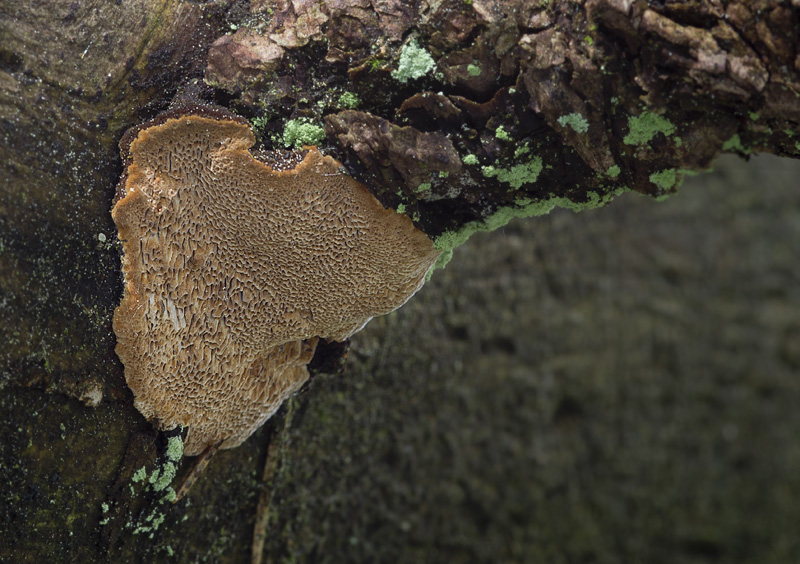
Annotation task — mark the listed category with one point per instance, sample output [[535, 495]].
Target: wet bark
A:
[[507, 105]]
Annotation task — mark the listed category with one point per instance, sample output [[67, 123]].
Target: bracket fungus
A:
[[233, 272]]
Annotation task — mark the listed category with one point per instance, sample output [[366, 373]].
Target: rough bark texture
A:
[[613, 386]]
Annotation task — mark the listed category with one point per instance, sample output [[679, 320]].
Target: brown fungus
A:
[[233, 271]]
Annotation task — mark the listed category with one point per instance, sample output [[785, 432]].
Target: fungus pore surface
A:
[[233, 271]]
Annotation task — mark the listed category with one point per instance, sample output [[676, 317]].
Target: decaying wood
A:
[[524, 102]]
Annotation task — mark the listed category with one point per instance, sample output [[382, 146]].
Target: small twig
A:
[[195, 471]]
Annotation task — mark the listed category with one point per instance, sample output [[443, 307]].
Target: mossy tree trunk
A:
[[460, 112]]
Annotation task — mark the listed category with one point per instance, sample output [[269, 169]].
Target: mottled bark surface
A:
[[612, 386]]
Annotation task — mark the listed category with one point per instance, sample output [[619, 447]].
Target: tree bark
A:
[[506, 109]]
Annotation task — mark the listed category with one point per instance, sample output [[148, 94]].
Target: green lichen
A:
[[473, 70], [517, 175], [525, 207], [162, 477], [575, 121], [415, 62], [153, 520], [443, 174], [349, 100], [301, 131], [174, 449], [401, 208], [470, 159], [424, 187], [665, 179], [735, 144], [502, 134], [613, 171], [521, 150], [642, 128], [139, 475]]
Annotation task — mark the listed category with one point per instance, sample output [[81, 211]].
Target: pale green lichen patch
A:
[[415, 62], [575, 121], [401, 208], [613, 171], [104, 507], [174, 449], [642, 128], [139, 475], [517, 175], [301, 131], [349, 100], [473, 70], [470, 159], [525, 207], [735, 144], [162, 477], [159, 482], [521, 150], [502, 134], [665, 179], [424, 187]]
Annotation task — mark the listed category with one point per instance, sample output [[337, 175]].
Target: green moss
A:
[[642, 128], [754, 116], [575, 121], [299, 132], [470, 159], [517, 175], [502, 134], [613, 171], [349, 100], [415, 62], [665, 179], [473, 70], [259, 123]]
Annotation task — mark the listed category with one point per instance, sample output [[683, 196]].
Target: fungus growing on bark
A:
[[233, 271]]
